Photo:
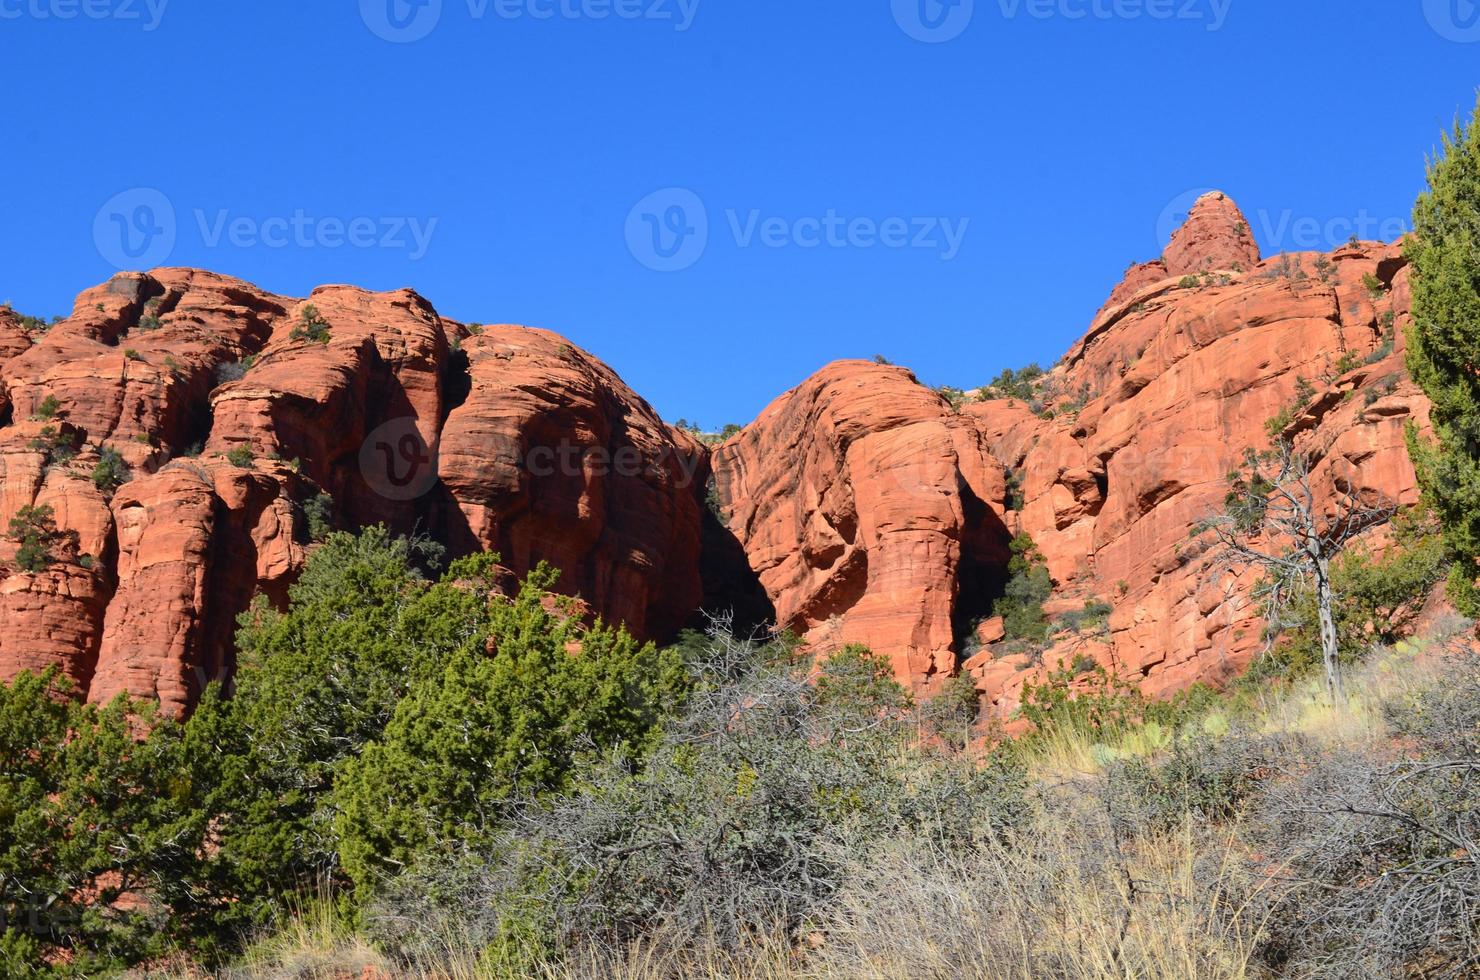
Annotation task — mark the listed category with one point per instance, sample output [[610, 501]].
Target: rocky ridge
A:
[[1124, 447], [859, 507]]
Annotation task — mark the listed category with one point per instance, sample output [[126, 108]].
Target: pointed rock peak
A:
[[1216, 235]]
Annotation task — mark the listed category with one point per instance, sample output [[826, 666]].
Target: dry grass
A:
[[1161, 911], [1387, 675], [316, 944], [1062, 900]]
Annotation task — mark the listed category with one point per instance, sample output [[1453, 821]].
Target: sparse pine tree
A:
[[111, 472], [34, 531]]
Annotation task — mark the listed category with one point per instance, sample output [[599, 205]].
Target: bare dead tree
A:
[[1273, 521]]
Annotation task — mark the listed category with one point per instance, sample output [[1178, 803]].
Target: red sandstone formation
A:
[[551, 457], [1214, 236], [1127, 450], [866, 507], [862, 506], [232, 415], [1154, 407]]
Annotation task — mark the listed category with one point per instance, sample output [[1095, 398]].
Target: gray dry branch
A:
[[1383, 853], [739, 824], [1273, 521]]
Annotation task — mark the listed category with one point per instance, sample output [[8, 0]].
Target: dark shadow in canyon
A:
[[981, 578], [731, 586]]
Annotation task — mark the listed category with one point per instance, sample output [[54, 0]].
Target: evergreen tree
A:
[[382, 712], [1444, 350], [507, 715], [100, 831]]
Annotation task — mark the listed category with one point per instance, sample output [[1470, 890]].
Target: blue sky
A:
[[955, 187]]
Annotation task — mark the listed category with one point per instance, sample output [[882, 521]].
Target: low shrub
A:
[[1382, 849], [111, 472], [228, 371], [311, 326], [1094, 616], [739, 823], [48, 408], [1021, 384], [57, 446], [1209, 779]]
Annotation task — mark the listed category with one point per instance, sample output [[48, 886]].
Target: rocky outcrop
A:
[[1148, 414], [550, 457], [869, 512], [859, 507], [1215, 236], [235, 410]]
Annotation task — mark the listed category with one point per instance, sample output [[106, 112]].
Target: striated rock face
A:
[[53, 615], [1154, 407], [860, 506], [872, 513], [869, 512], [232, 415], [550, 457]]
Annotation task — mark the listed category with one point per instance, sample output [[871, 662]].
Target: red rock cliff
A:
[[231, 420], [868, 510], [859, 507], [858, 495]]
